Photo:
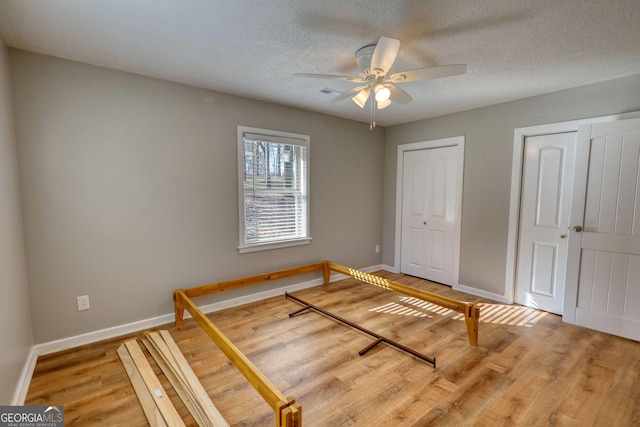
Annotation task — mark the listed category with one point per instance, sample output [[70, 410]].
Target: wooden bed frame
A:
[[288, 412]]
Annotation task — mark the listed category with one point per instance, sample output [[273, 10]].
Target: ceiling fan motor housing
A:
[[363, 57]]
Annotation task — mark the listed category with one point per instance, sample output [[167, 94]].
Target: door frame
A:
[[426, 145], [519, 136]]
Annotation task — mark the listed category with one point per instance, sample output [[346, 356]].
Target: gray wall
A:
[[487, 171], [129, 191], [15, 324]]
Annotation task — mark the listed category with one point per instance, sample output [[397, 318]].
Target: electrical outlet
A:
[[377, 249], [83, 303]]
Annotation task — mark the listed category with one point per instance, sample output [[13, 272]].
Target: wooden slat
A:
[[144, 396], [192, 382], [158, 394], [177, 385]]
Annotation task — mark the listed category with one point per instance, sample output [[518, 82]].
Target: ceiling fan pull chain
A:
[[371, 114]]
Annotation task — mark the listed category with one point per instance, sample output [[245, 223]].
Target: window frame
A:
[[277, 137]]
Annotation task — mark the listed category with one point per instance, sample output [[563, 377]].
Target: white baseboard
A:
[[141, 325], [482, 293], [389, 268], [462, 288], [25, 379]]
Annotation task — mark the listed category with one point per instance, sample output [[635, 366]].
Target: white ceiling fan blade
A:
[[384, 55], [331, 77], [347, 94], [398, 95], [428, 73]]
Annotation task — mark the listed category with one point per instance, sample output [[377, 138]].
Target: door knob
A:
[[424, 222], [577, 228]]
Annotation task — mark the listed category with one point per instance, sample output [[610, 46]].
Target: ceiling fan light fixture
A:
[[382, 92], [383, 104], [361, 97]]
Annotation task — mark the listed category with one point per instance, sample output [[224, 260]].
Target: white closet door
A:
[[603, 275], [542, 249], [429, 214]]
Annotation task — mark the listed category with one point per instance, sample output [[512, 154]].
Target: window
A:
[[273, 189]]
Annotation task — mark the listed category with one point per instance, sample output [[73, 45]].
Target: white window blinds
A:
[[273, 189]]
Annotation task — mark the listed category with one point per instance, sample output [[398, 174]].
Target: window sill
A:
[[278, 245]]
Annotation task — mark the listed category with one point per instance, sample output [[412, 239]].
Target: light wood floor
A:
[[529, 369]]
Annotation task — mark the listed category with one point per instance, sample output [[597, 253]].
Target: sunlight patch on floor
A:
[[427, 306], [498, 314], [516, 315], [395, 308]]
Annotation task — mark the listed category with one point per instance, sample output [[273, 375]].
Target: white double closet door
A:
[[430, 195], [579, 233]]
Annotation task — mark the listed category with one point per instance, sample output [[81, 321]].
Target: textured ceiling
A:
[[253, 48]]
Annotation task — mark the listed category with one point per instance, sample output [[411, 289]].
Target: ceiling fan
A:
[[375, 62]]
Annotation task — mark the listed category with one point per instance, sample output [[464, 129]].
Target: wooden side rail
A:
[[288, 412], [470, 311], [213, 288]]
